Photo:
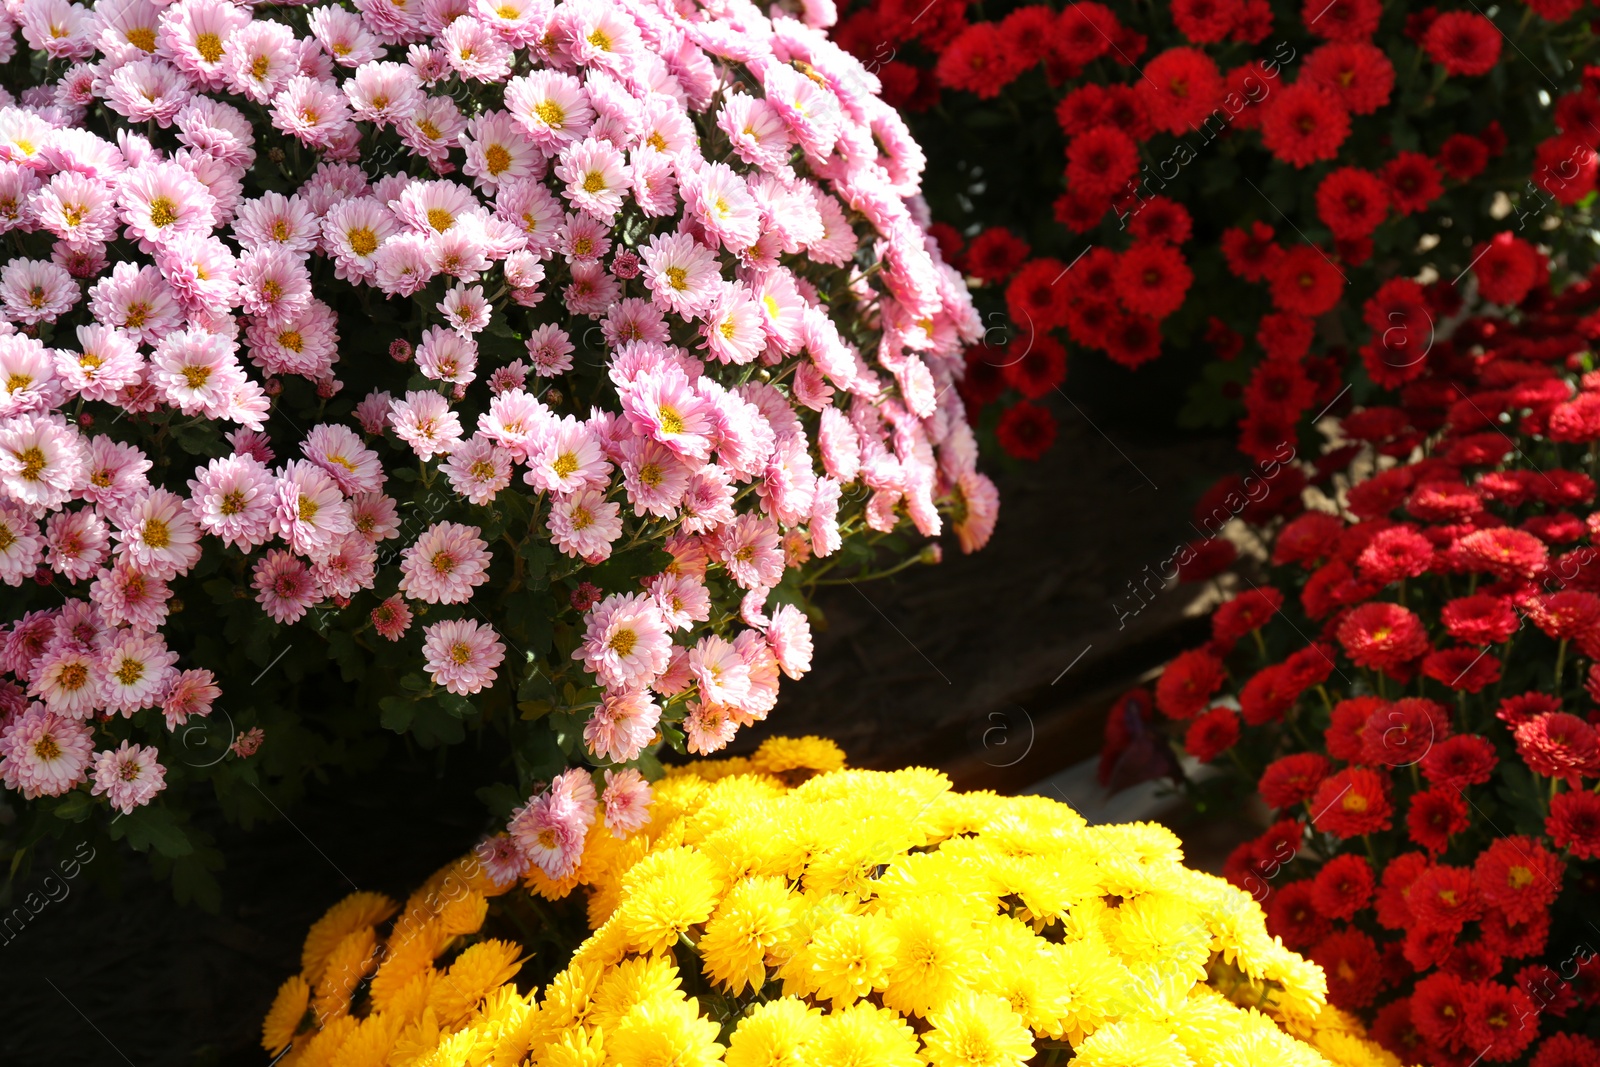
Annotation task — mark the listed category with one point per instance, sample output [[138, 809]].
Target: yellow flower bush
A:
[[782, 911]]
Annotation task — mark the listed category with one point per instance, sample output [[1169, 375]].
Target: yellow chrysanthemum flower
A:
[[583, 1047], [863, 1035], [288, 1011], [341, 920], [631, 983], [664, 1033], [774, 1034], [1133, 1043], [846, 960], [320, 1049], [977, 1030], [667, 894], [474, 975], [748, 924], [935, 952], [793, 759], [369, 1044], [405, 957], [351, 960]]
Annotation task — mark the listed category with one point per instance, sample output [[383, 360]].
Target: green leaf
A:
[[193, 882], [397, 713], [501, 799], [534, 709], [75, 806], [152, 826]]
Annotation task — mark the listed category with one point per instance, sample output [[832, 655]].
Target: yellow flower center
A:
[[497, 159], [156, 534], [363, 242], [440, 219], [622, 642], [209, 45], [163, 212], [550, 113]]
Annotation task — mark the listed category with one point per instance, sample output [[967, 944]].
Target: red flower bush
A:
[[1418, 697], [1314, 146]]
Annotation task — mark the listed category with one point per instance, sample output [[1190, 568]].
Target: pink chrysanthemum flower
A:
[[752, 551], [717, 197], [77, 543], [138, 670], [567, 459], [43, 754], [549, 350], [162, 200], [790, 638], [273, 283], [196, 371], [682, 273], [478, 470], [475, 51], [311, 514], [708, 501], [245, 745], [258, 58], [424, 421], [70, 681], [465, 308], [391, 618], [137, 301], [273, 220], [354, 229], [708, 727], [502, 859], [76, 207], [626, 642], [445, 564], [348, 569], [517, 421], [312, 111], [383, 93], [758, 134], [654, 476], [622, 725], [157, 532], [147, 90], [27, 376], [191, 694], [462, 655], [627, 801], [683, 599], [596, 178], [339, 451], [635, 320], [130, 597], [734, 328], [720, 674], [234, 498], [195, 34], [107, 361], [550, 106], [129, 776], [35, 290], [345, 37], [447, 356], [283, 586], [585, 524], [664, 406], [374, 516], [199, 270], [42, 460]]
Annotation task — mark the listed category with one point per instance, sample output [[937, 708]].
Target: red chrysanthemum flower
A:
[[1350, 960], [1515, 939], [1565, 166], [1089, 318], [1357, 72], [1292, 779], [1352, 202], [1469, 670], [1463, 43], [1380, 494], [1503, 552], [1026, 430], [1304, 282], [1392, 903], [1084, 32], [1251, 253], [1279, 386], [1558, 745], [1250, 610], [1567, 1050], [1078, 212], [1285, 338], [1413, 182], [1200, 560], [1343, 736], [1343, 887], [1188, 682], [1152, 279], [1304, 124], [1132, 340], [1212, 734], [1445, 501], [1382, 636], [1458, 762], [1162, 219], [1561, 528], [1027, 31], [1479, 619], [1342, 20], [1574, 823], [1504, 1022], [1292, 916], [1578, 113], [1518, 876], [1265, 433], [1565, 615], [1396, 554], [1434, 816], [1040, 368], [984, 380], [1035, 298], [1082, 109], [995, 254], [1507, 267], [1443, 898], [1179, 89], [1393, 1029], [1401, 733], [1525, 707], [1352, 803], [1307, 539], [1311, 665], [979, 60], [1440, 1007], [1205, 21], [1463, 156], [1101, 161], [1577, 421]]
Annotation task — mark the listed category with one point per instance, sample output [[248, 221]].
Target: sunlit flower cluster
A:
[[782, 910], [408, 320]]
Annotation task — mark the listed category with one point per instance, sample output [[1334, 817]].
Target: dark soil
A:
[[996, 667]]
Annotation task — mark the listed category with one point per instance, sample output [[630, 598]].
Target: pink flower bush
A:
[[524, 360]]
